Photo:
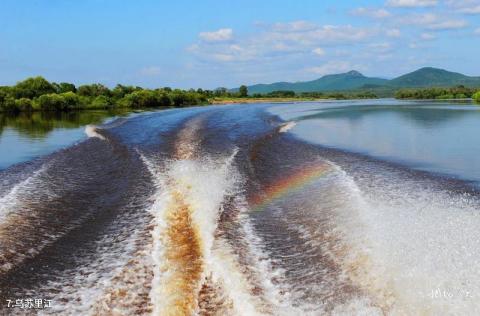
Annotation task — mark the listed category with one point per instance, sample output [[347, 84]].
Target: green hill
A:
[[433, 77], [347, 81], [353, 80]]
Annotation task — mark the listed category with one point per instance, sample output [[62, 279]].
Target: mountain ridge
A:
[[354, 80]]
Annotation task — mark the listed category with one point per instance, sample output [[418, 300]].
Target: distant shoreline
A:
[[219, 101], [250, 100]]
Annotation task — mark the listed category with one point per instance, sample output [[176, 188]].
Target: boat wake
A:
[[212, 214]]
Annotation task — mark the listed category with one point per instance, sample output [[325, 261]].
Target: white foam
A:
[[91, 131], [204, 184], [11, 200], [287, 126], [418, 246], [86, 287]]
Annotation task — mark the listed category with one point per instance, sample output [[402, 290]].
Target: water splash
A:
[[92, 131]]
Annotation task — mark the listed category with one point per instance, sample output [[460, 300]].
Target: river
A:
[[337, 208]]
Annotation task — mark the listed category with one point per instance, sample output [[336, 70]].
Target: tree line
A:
[[38, 94], [317, 95], [459, 92]]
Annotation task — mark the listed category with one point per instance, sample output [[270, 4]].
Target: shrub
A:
[[51, 102], [93, 90], [63, 87], [476, 96], [178, 98], [100, 102], [141, 99], [7, 104], [23, 104], [72, 101], [282, 94], [163, 99], [445, 97], [120, 91], [32, 87]]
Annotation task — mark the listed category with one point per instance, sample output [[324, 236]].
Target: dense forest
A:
[[459, 92], [38, 94]]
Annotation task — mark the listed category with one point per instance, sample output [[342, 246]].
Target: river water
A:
[[331, 208]]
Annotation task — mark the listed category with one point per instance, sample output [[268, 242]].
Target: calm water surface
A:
[[26, 136], [440, 137]]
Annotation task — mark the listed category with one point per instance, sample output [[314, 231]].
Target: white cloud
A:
[[393, 33], [319, 51], [307, 33], [447, 25], [278, 41], [150, 71], [433, 22], [381, 47], [418, 19], [428, 36], [477, 31], [223, 57], [411, 3], [295, 26], [465, 6], [371, 12], [220, 35], [470, 10], [331, 67]]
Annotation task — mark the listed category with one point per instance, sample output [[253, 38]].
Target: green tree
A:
[[243, 91], [66, 87], [120, 91], [163, 99], [476, 96], [7, 104], [72, 100], [140, 99], [32, 87], [93, 90], [100, 102], [220, 92], [24, 105], [51, 102]]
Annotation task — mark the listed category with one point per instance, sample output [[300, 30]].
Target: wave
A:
[[196, 221], [287, 126], [62, 209], [412, 238], [92, 131]]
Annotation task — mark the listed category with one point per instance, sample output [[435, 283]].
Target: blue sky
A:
[[227, 43]]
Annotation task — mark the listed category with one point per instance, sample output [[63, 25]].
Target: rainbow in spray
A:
[[293, 182]]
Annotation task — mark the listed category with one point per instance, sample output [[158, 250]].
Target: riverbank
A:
[[249, 100], [259, 100]]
